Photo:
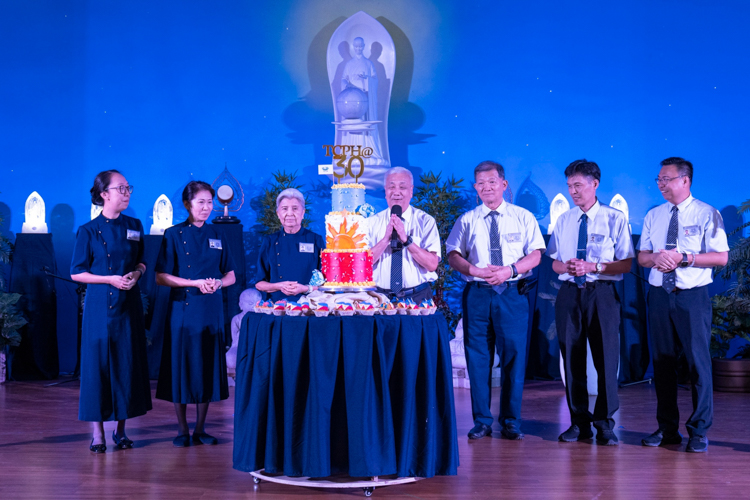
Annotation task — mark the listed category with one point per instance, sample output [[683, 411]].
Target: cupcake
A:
[[258, 307], [322, 310], [279, 308], [388, 308], [412, 307], [345, 309], [365, 309], [267, 307], [305, 308], [424, 307], [401, 307], [293, 309]]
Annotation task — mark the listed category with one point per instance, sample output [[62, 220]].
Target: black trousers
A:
[[681, 322], [591, 313]]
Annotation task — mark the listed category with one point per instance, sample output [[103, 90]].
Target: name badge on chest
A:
[[596, 238], [691, 230], [134, 235], [513, 237], [307, 247], [212, 243]]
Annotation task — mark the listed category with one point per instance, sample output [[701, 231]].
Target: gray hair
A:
[[398, 170], [290, 193]]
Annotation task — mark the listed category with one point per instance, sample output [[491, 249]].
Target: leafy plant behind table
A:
[[731, 310], [10, 319], [446, 202], [265, 204]]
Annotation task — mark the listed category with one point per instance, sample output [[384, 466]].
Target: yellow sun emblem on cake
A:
[[345, 239]]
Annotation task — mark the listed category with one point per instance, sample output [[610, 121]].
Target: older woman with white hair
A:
[[288, 257]]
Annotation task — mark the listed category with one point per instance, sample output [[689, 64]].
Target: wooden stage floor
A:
[[44, 454]]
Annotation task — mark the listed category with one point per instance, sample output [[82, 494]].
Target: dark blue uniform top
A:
[[193, 363], [284, 257], [114, 366]]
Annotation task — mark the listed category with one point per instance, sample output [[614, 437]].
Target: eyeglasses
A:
[[122, 189], [667, 180]]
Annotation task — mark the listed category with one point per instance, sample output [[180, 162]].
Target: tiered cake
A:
[[347, 259]]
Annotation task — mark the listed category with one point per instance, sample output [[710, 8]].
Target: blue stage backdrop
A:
[[171, 91]]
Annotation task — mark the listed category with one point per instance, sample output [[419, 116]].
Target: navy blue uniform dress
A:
[[193, 361], [289, 257], [114, 366]]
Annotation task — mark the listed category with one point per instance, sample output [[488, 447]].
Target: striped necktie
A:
[[583, 232], [668, 280], [496, 251]]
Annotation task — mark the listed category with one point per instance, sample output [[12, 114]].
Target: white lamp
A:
[[559, 206], [620, 204], [95, 211], [162, 215], [35, 216]]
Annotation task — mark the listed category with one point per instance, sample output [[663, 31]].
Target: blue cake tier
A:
[[347, 197]]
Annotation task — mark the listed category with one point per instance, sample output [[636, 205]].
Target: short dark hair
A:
[[195, 187], [684, 167], [584, 167], [488, 165], [101, 182]]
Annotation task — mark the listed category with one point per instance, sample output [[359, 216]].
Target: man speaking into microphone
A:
[[406, 248]]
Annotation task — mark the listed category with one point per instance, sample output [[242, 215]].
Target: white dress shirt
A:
[[608, 239], [700, 229], [519, 236], [424, 233]]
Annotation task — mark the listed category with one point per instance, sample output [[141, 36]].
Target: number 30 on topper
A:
[[353, 153]]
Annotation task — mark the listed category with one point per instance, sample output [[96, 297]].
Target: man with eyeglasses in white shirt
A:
[[494, 247], [681, 241], [592, 247]]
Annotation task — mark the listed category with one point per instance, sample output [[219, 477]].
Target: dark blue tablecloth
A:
[[363, 396]]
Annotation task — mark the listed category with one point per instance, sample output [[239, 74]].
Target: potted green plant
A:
[[10, 319], [731, 319], [445, 201]]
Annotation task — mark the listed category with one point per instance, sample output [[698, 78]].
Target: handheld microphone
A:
[[395, 242]]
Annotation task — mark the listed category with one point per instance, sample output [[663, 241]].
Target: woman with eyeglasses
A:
[[108, 257], [195, 262]]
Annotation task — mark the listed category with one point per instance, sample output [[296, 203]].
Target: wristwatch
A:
[[599, 268], [684, 262], [408, 242], [513, 271]]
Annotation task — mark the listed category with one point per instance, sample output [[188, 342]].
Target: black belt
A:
[[484, 284], [589, 284], [405, 292]]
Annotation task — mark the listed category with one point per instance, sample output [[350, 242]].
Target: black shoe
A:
[[182, 441], [697, 444], [97, 448], [575, 433], [606, 438], [660, 438], [122, 443], [479, 431], [203, 438], [511, 432]]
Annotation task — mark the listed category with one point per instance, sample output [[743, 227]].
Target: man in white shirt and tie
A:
[[592, 247], [405, 249], [681, 241], [493, 247]]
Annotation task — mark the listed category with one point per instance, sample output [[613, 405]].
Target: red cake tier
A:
[[347, 266]]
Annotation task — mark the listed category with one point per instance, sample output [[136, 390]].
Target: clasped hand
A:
[[494, 275], [579, 267], [208, 285], [667, 260], [291, 287], [125, 282], [398, 225]]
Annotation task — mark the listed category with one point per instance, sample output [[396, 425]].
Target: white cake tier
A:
[[346, 231]]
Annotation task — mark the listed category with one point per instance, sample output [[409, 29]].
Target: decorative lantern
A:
[[35, 215], [559, 206], [162, 215]]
